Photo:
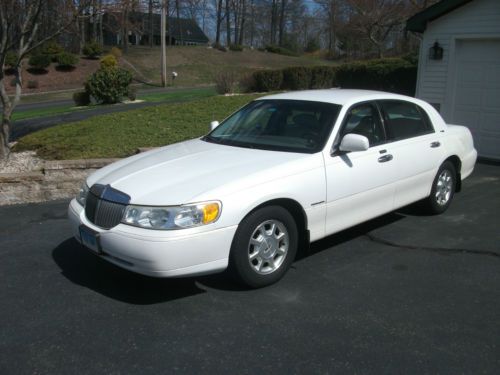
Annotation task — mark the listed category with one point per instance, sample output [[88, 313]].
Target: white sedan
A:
[[283, 171]]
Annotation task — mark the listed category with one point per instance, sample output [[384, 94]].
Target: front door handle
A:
[[435, 144], [385, 158]]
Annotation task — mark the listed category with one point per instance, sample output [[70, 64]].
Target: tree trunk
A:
[[177, 7], [101, 36], [219, 22], [228, 23], [7, 109], [282, 23], [274, 16], [252, 25], [242, 22], [236, 22], [125, 30], [151, 23], [332, 48]]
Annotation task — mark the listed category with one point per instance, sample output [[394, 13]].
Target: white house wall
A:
[[477, 19]]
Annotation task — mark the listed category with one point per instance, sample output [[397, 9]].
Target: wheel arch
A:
[[457, 163], [297, 212]]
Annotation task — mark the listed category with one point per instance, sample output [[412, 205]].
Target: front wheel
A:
[[443, 189], [264, 246]]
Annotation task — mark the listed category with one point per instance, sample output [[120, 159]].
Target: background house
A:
[[460, 75], [180, 31]]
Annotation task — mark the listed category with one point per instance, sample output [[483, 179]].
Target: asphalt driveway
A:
[[404, 293]]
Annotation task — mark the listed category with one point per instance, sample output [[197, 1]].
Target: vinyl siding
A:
[[477, 19]]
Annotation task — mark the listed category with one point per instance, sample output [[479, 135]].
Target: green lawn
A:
[[172, 96], [197, 65], [120, 134], [45, 112]]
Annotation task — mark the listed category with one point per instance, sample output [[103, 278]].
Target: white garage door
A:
[[477, 93]]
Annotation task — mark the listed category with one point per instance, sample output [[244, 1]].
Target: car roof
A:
[[337, 96]]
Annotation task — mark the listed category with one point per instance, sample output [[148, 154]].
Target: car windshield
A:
[[279, 125]]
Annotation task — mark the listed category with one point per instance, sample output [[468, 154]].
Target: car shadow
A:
[[82, 267]]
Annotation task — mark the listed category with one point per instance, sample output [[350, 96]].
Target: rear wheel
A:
[[443, 189], [264, 246]]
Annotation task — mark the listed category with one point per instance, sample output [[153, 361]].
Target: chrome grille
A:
[[105, 206]]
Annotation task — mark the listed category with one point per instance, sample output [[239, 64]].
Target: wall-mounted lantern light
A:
[[436, 51]]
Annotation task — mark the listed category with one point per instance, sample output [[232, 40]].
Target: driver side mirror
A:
[[213, 125], [354, 142]]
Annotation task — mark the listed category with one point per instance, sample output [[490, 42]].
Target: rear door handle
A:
[[385, 158], [435, 144]]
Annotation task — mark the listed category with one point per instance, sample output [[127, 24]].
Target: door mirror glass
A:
[[213, 125], [354, 142]]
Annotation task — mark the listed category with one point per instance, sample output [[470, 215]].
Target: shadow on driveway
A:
[[82, 267]]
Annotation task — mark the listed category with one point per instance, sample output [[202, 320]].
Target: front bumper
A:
[[184, 252]]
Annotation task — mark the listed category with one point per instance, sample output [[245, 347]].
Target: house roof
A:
[[418, 22], [182, 28]]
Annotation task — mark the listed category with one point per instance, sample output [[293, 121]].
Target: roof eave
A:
[[418, 22]]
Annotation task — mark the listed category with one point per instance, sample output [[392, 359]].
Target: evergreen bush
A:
[[92, 50], [109, 85]]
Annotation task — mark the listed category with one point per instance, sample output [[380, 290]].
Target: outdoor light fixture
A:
[[436, 51]]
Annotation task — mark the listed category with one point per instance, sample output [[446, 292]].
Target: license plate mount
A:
[[90, 239]]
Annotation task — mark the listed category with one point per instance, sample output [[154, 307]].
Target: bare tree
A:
[[219, 19], [376, 19], [19, 32]]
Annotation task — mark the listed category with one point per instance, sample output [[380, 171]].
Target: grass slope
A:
[[199, 65], [120, 134]]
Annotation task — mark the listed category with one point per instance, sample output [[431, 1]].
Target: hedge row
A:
[[392, 74]]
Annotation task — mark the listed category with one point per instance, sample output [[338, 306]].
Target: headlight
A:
[[172, 217], [81, 197]]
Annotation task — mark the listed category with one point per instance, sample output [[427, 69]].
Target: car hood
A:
[[180, 173]]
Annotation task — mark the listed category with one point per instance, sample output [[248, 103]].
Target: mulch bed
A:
[[54, 79]]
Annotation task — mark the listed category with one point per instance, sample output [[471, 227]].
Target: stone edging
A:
[[57, 179]]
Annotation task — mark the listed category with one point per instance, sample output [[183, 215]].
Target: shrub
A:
[[81, 98], [12, 82], [116, 52], [236, 47], [132, 93], [39, 62], [390, 74], [219, 47], [109, 61], [32, 84], [11, 59], [92, 50], [66, 60], [109, 85], [280, 50], [297, 78], [323, 77], [52, 49], [247, 83], [268, 80], [225, 82], [312, 45]]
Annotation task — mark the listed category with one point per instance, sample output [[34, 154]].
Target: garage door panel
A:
[[489, 146], [477, 93], [467, 96], [490, 122], [470, 75], [469, 118], [492, 77], [490, 99]]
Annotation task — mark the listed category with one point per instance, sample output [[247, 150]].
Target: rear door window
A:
[[404, 120]]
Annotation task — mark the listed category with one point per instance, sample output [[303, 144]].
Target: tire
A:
[[443, 189], [264, 247]]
